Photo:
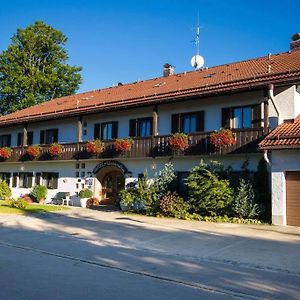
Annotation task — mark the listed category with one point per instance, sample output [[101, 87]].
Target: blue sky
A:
[[124, 41]]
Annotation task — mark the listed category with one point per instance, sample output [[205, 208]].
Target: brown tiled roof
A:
[[254, 73], [285, 136]]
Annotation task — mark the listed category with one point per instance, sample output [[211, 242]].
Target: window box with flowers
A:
[[222, 138], [123, 145], [55, 150], [33, 151], [5, 153], [94, 147], [178, 142]]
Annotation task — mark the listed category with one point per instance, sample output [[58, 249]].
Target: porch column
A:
[[266, 116], [155, 121], [25, 138], [79, 129]]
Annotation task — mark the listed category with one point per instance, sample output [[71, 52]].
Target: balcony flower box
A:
[[221, 138], [123, 145], [55, 150], [178, 142], [94, 147], [33, 151], [5, 153]]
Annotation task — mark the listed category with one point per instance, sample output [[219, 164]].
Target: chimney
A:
[[295, 43], [168, 70]]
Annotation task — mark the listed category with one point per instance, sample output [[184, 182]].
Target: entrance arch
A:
[[111, 176]]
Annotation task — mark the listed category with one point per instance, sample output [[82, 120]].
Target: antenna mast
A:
[[197, 61]]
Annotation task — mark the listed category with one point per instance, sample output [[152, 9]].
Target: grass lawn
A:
[[31, 208]]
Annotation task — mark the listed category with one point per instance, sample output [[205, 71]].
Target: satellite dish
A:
[[197, 62]]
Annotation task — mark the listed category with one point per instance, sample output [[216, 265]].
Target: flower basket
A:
[[221, 138], [123, 145], [178, 142], [33, 151], [94, 147], [55, 150], [5, 153]]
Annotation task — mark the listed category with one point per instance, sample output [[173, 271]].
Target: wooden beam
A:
[[155, 121], [266, 117], [79, 129], [25, 136]]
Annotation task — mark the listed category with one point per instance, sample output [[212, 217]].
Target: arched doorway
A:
[[111, 175]]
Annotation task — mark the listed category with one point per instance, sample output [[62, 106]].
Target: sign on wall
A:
[[110, 163]]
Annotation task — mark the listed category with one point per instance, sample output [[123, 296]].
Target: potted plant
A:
[[55, 150], [94, 147], [84, 196], [39, 192], [178, 142], [221, 138], [123, 145], [33, 151], [5, 153]]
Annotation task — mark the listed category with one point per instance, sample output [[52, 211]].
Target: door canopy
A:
[[110, 163]]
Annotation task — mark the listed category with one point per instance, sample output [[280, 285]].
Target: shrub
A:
[[221, 138], [33, 151], [172, 205], [55, 150], [94, 147], [208, 194], [85, 193], [39, 192], [129, 200], [5, 152], [178, 142], [244, 204], [5, 191], [19, 203], [27, 198], [123, 145], [92, 202]]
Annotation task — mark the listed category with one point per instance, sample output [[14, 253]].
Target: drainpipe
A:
[[266, 158], [270, 90]]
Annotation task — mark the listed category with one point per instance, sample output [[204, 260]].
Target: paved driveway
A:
[[85, 254]]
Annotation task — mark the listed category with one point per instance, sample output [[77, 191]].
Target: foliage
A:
[[33, 69], [33, 151], [5, 152], [94, 147], [55, 150], [178, 142], [85, 193], [221, 138], [4, 189], [39, 192], [208, 194], [172, 205], [27, 198], [19, 203], [262, 186], [244, 204], [123, 145], [128, 199], [92, 202]]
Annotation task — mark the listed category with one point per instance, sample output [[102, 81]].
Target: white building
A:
[[250, 97]]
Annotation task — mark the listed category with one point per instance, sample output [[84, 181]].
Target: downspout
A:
[[266, 158], [270, 90]]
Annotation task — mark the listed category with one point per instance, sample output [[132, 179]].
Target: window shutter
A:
[[15, 177], [55, 181], [42, 137], [20, 139], [8, 140], [96, 131], [132, 127], [29, 138], [38, 178], [175, 123], [226, 116], [29, 180], [256, 116], [200, 121], [55, 135], [114, 130]]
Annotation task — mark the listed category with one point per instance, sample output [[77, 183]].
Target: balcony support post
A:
[[79, 129], [155, 121], [25, 136], [266, 116]]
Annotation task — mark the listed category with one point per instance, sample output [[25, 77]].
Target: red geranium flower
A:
[[224, 137], [95, 146], [5, 152], [55, 149], [178, 142], [123, 145], [33, 151]]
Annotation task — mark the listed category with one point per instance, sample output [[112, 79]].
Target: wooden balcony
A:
[[199, 144]]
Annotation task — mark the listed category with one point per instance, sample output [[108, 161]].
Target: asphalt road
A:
[[95, 255]]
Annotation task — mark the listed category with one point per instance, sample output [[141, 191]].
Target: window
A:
[[77, 166], [83, 165], [25, 180], [5, 140], [242, 117], [188, 122], [181, 179], [140, 127], [38, 177], [49, 136], [82, 174], [29, 138], [5, 177], [50, 180], [15, 179], [106, 131], [77, 174]]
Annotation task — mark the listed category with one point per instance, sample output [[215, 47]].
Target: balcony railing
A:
[[199, 144]]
